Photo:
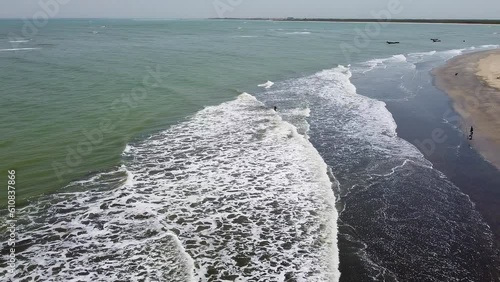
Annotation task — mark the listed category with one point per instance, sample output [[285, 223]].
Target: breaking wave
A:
[[232, 193]]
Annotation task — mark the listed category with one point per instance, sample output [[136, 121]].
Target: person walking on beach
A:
[[471, 132]]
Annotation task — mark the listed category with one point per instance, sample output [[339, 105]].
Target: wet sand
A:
[[473, 83]]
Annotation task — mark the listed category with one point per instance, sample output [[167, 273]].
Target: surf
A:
[[234, 192], [380, 196]]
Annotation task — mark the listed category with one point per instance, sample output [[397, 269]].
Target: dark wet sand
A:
[[478, 104]]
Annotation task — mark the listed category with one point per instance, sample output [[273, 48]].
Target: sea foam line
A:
[[18, 49], [19, 41]]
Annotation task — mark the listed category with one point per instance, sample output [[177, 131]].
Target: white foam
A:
[[267, 85], [491, 46], [398, 58], [244, 193], [373, 64], [127, 149], [18, 49], [412, 59], [299, 32], [306, 112], [448, 54], [130, 178], [383, 63], [298, 117], [430, 53], [20, 41]]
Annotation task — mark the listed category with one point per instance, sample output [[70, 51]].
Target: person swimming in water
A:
[[275, 108]]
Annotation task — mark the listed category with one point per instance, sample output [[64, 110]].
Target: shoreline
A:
[[416, 21], [433, 111], [470, 81]]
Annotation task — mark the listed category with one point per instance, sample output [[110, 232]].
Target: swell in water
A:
[[234, 193], [399, 218]]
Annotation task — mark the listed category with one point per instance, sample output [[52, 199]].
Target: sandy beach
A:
[[473, 83]]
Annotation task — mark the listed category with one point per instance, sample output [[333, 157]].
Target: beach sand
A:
[[473, 83]]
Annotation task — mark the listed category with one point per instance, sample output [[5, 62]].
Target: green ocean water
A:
[[75, 77]]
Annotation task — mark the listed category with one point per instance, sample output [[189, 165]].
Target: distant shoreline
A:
[[401, 21], [430, 21]]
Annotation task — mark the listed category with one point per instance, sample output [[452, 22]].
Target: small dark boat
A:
[[392, 42]]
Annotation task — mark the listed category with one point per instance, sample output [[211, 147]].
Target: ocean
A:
[[150, 150]]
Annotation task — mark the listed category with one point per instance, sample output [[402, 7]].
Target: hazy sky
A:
[[479, 9]]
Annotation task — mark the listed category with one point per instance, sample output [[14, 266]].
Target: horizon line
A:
[[263, 18]]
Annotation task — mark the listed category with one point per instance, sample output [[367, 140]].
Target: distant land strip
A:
[[451, 21]]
